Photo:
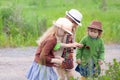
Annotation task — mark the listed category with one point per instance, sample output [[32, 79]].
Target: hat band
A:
[[74, 18]]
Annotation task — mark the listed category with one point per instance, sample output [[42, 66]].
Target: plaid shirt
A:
[[67, 51]]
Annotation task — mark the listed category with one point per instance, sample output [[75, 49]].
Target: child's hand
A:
[[100, 62], [78, 61], [80, 45], [62, 59], [59, 57], [57, 60], [75, 44]]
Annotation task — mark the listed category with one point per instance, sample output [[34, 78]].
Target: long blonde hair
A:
[[50, 32]]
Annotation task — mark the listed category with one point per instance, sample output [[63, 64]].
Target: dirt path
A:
[[14, 62]]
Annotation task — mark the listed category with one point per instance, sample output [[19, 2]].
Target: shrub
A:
[[113, 72]]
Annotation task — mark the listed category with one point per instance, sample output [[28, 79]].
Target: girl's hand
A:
[[59, 57], [57, 60], [75, 44], [80, 45], [78, 61]]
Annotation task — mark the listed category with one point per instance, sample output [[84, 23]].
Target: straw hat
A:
[[64, 24], [75, 15], [96, 25]]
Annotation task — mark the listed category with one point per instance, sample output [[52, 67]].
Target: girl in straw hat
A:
[[46, 57], [91, 55]]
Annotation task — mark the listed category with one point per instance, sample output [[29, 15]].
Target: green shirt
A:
[[93, 49]]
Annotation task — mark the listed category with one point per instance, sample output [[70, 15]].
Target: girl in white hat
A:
[[46, 56], [67, 71]]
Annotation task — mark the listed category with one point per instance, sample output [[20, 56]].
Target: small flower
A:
[[87, 47]]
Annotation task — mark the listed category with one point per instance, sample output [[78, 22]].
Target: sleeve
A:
[[80, 50], [102, 51], [46, 54]]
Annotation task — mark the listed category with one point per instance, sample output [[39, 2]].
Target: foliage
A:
[[23, 21], [113, 72]]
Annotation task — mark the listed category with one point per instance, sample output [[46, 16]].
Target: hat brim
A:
[[68, 31], [67, 13], [57, 25], [94, 28]]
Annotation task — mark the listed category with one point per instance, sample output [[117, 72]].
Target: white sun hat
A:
[[64, 24], [75, 15]]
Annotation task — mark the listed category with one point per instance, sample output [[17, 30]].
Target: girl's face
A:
[[60, 32], [75, 25], [93, 33]]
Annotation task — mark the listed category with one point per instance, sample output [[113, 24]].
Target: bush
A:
[[113, 72]]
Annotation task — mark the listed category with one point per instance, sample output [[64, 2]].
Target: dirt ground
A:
[[14, 62]]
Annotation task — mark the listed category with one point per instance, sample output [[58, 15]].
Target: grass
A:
[[23, 21]]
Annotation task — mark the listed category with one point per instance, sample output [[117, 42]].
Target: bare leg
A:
[[70, 74], [61, 73]]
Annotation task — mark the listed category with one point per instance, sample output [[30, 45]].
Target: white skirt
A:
[[41, 72]]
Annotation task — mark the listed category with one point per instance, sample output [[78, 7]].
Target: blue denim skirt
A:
[[41, 72], [88, 70]]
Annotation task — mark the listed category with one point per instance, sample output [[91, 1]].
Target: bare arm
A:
[[72, 45]]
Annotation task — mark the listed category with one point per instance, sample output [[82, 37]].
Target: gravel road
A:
[[14, 62]]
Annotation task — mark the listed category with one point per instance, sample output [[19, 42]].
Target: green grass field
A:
[[23, 21]]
